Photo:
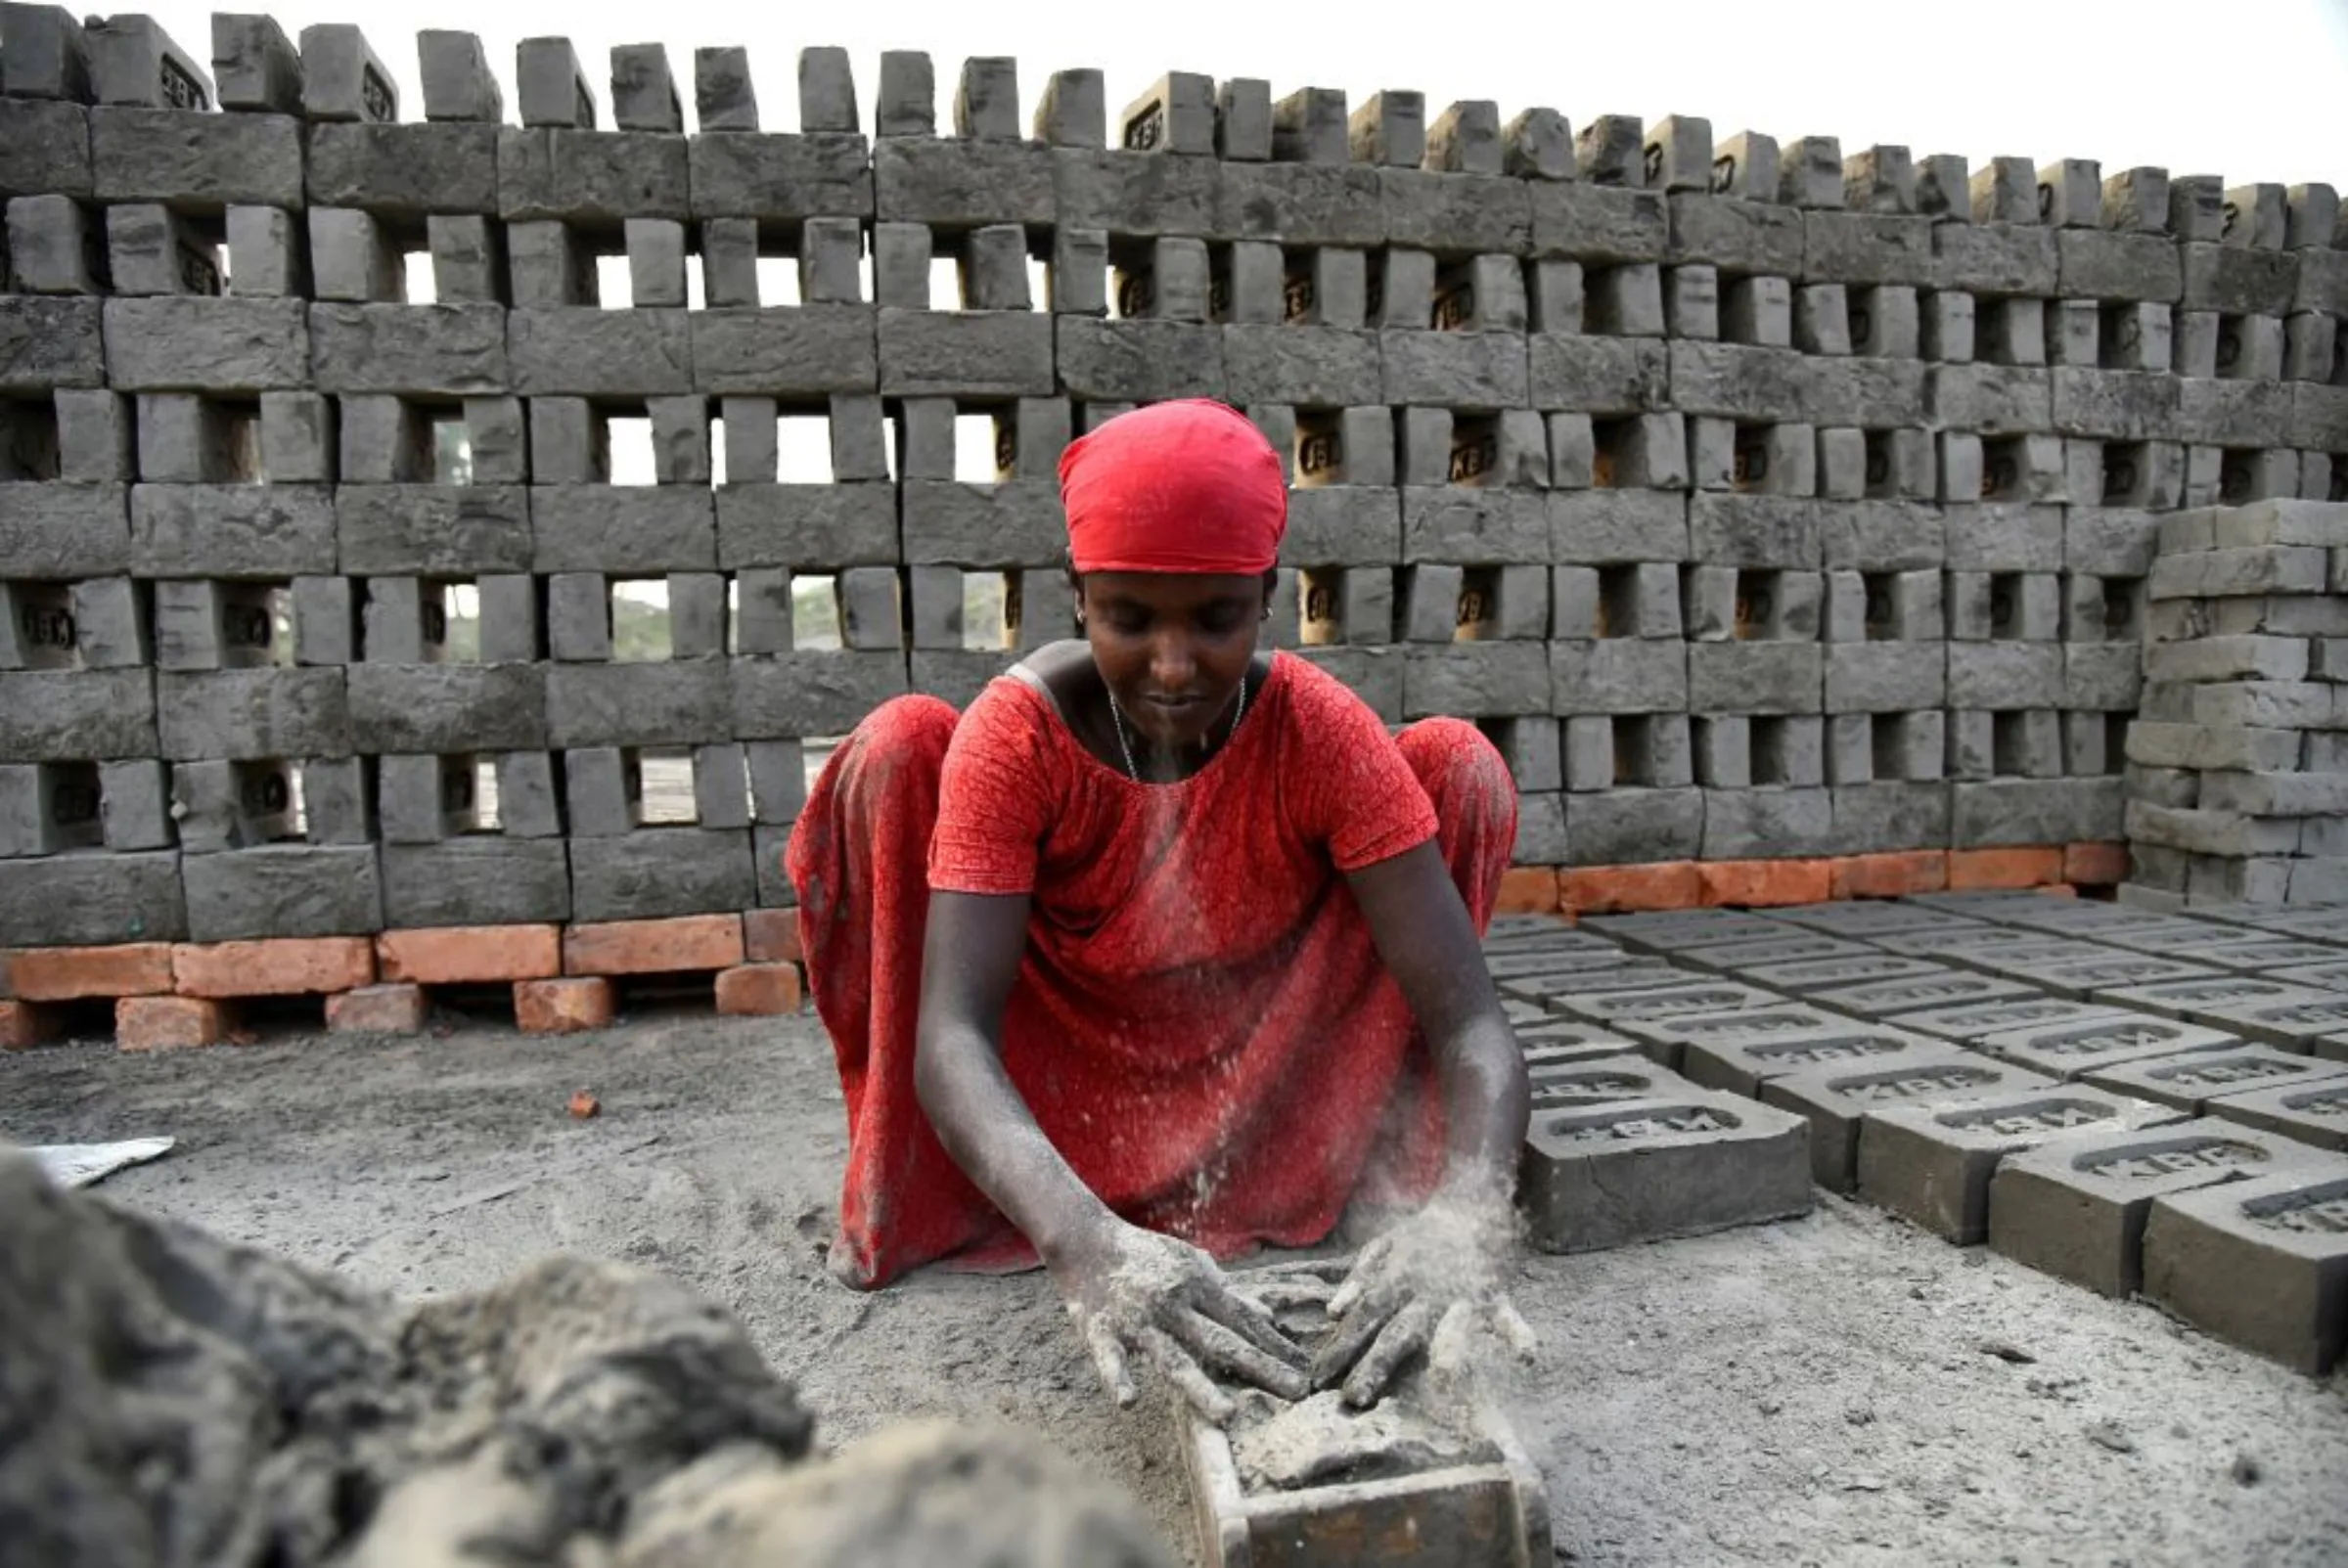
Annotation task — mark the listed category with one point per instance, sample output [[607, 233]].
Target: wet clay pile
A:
[[170, 1399]]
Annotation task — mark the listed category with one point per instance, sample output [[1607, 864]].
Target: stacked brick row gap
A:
[[1757, 500], [2137, 1100]]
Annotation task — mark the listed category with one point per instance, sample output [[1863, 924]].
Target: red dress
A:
[[1201, 1025]]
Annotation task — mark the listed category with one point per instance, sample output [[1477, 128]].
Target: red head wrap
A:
[[1189, 487]]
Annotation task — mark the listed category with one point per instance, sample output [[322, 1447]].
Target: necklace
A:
[[1116, 716]]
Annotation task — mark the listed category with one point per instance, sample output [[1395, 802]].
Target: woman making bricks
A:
[[1165, 948]]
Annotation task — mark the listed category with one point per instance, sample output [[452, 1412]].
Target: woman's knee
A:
[[916, 725], [901, 745], [1460, 769]]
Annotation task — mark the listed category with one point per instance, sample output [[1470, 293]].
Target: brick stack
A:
[[2239, 778], [1763, 505]]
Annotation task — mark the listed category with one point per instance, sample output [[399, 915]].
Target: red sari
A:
[[1201, 1025]]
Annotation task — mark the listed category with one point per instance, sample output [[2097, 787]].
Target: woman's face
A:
[[1172, 647]]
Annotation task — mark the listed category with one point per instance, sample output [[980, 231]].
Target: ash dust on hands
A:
[[1430, 1285], [1136, 1292]]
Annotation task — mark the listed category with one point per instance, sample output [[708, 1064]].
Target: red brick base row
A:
[[1759, 883], [168, 993]]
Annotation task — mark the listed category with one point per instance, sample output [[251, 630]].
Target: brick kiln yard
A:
[[1837, 1387]]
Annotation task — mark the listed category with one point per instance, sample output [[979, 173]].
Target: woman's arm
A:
[[1421, 927], [970, 961]]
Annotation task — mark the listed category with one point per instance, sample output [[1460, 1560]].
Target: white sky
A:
[[2250, 89]]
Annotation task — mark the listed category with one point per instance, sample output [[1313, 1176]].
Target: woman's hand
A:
[[1134, 1292], [1432, 1284]]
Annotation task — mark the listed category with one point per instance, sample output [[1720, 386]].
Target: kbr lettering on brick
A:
[[2052, 1116], [2202, 1154], [1844, 1047], [1639, 1126], [1923, 1080], [2239, 1070], [2304, 1012], [2310, 1213], [2099, 1041]]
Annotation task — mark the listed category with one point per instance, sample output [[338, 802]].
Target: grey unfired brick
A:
[[986, 106], [342, 77], [551, 87], [457, 84], [644, 94], [826, 93], [723, 98], [908, 104], [254, 65], [134, 62], [44, 54]]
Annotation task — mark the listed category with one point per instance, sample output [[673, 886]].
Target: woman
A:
[[1166, 948]]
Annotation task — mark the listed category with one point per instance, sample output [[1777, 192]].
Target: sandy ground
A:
[[1838, 1389]]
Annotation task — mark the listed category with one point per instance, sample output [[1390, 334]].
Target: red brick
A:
[[73, 974], [377, 1009], [561, 1007], [1756, 883], [23, 1025], [1970, 868], [1528, 891], [771, 936], [277, 966], [470, 955], [2095, 864], [161, 1023], [1610, 890], [1894, 875], [758, 990], [654, 947]]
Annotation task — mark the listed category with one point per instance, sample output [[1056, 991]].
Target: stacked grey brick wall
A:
[[1757, 500], [2238, 780]]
